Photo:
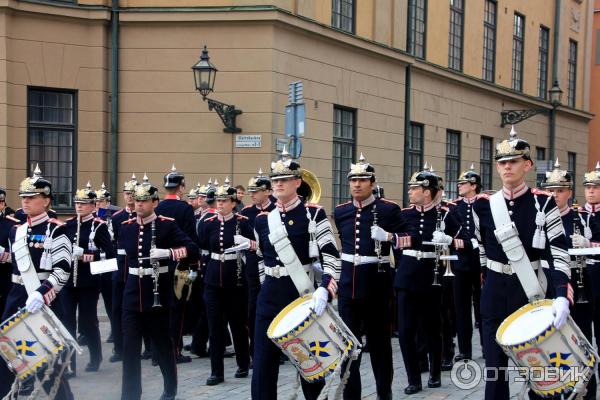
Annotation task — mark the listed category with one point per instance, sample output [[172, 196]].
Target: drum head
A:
[[525, 324], [292, 316]]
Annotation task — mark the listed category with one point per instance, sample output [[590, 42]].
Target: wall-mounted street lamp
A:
[[204, 78]]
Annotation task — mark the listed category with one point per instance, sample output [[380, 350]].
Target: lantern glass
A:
[[204, 74]]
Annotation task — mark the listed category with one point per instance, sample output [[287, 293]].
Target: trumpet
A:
[[377, 242], [438, 250], [76, 259], [155, 269], [238, 259], [579, 264]]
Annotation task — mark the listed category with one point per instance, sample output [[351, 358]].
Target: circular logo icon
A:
[[466, 374]]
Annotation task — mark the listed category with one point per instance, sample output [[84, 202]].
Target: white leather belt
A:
[[418, 254], [279, 271], [42, 276], [507, 268], [121, 252], [147, 271], [591, 262], [223, 257], [359, 260]]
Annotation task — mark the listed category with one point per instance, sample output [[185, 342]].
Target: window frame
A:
[[451, 185], [521, 65], [487, 26], [408, 152], [456, 11], [543, 91], [572, 168], [488, 175], [412, 31], [334, 13], [340, 140], [54, 126], [572, 73]]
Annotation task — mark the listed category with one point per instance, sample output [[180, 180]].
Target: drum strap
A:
[[23, 259], [278, 237], [508, 237]]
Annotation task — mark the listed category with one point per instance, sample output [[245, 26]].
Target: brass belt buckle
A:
[[140, 272], [356, 259], [276, 273], [507, 269], [222, 257], [419, 254]]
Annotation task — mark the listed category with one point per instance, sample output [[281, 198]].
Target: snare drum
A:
[[530, 339], [31, 342], [314, 345]]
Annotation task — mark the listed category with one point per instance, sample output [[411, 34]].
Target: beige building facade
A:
[[365, 88]]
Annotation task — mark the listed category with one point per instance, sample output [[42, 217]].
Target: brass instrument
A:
[[238, 260], [438, 249], [155, 269], [579, 262], [76, 259], [377, 242], [310, 189]]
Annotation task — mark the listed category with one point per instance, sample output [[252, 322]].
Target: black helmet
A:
[[85, 195], [557, 178], [470, 176], [145, 191], [513, 147], [426, 179], [36, 184], [173, 178], [259, 182]]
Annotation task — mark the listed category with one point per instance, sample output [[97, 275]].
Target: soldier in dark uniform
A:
[[21, 215], [6, 224], [119, 276], [419, 277], [502, 292], [172, 206], [259, 188], [4, 208], [467, 270], [278, 289], [559, 182], [365, 286], [150, 241], [105, 210], [225, 288], [91, 242], [50, 251]]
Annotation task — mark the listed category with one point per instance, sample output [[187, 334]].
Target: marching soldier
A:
[[172, 206], [91, 242], [365, 286], [104, 210], [418, 277], [49, 258], [533, 216], [225, 288], [559, 182], [119, 276], [149, 241], [467, 270], [311, 238], [259, 188], [6, 224]]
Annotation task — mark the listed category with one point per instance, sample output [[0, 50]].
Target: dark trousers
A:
[[200, 331], [420, 307], [106, 290], [266, 366], [178, 315], [86, 300], [226, 305], [117, 313], [135, 324], [373, 316], [5, 283], [583, 315], [16, 300], [467, 293], [253, 291], [448, 318]]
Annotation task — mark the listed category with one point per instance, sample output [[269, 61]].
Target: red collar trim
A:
[[38, 219], [146, 220], [225, 218], [361, 204], [172, 197], [591, 207], [516, 192], [264, 205], [87, 218], [289, 206], [565, 211]]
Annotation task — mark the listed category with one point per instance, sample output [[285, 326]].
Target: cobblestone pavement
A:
[[106, 383]]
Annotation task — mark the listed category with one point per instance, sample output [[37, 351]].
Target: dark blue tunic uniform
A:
[[6, 224], [135, 238], [365, 288], [82, 289]]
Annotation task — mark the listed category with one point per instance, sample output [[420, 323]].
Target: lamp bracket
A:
[[227, 113], [513, 117]]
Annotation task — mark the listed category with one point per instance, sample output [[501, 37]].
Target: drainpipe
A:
[[407, 89], [114, 96], [552, 130]]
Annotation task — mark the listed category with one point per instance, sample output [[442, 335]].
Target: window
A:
[[572, 73], [344, 140], [413, 154], [517, 54], [543, 62], [572, 168], [489, 40], [485, 162], [540, 156], [452, 163], [342, 15], [455, 42], [51, 140], [417, 17]]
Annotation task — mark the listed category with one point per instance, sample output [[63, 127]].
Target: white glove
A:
[[580, 241], [192, 275], [34, 302], [377, 233], [239, 247], [77, 252], [560, 307], [319, 300], [160, 254], [441, 238], [317, 267], [239, 239], [2, 250]]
